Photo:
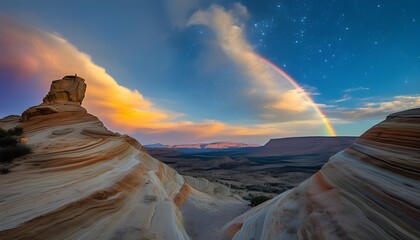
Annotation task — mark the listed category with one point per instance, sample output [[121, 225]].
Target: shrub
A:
[[3, 133], [9, 147], [4, 170], [7, 154], [17, 131], [8, 141], [258, 200]]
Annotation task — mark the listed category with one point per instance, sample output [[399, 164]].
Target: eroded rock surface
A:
[[371, 190], [82, 181], [68, 89], [65, 95]]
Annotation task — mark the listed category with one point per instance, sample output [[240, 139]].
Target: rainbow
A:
[[324, 119]]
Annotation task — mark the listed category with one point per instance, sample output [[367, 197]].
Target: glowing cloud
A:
[[33, 55], [280, 97], [374, 110]]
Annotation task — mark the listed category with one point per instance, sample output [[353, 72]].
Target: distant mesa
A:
[[155, 145], [304, 146], [215, 145]]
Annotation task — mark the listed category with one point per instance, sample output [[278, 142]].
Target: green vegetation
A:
[[11, 132], [10, 147], [258, 200]]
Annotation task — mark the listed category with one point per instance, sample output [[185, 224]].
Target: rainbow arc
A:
[[324, 119]]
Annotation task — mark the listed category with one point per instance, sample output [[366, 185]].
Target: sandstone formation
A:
[[68, 89], [82, 181], [371, 190], [65, 95]]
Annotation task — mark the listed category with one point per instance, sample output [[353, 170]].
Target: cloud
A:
[[311, 90], [347, 92], [36, 56], [30, 53], [272, 90], [346, 97], [355, 89], [381, 109]]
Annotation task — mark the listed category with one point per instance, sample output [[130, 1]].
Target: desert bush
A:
[[258, 200], [9, 147], [4, 170], [17, 131], [8, 141], [7, 154], [3, 132]]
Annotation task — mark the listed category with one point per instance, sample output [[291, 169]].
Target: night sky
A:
[[181, 71]]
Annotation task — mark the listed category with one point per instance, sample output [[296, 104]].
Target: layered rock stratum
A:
[[82, 181], [371, 190]]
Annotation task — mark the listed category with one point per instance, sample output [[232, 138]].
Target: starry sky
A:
[[183, 71]]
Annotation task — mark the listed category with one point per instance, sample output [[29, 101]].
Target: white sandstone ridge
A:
[[215, 145], [371, 190], [82, 181]]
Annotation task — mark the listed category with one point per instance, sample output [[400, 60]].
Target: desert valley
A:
[[252, 171], [83, 181]]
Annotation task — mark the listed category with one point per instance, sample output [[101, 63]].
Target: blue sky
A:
[[357, 60]]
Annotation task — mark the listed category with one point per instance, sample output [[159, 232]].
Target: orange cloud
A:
[[41, 56]]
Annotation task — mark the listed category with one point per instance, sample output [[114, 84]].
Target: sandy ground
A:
[[204, 219]]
